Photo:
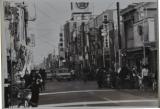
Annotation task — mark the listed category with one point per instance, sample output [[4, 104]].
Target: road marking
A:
[[107, 99], [99, 102], [65, 92]]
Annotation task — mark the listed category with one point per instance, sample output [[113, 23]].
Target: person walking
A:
[[113, 79], [36, 82], [27, 79], [100, 77], [43, 75], [145, 77], [85, 75]]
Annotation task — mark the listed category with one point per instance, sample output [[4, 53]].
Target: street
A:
[[81, 53], [78, 93]]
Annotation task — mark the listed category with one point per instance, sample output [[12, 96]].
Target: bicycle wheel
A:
[[13, 95]]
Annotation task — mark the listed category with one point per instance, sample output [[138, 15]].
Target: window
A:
[[61, 49], [61, 44], [61, 39]]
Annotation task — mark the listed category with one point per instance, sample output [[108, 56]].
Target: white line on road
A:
[[79, 91], [101, 102]]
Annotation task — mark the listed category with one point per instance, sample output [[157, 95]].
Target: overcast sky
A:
[[52, 14]]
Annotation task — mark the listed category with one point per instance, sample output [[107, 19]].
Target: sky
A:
[[51, 16]]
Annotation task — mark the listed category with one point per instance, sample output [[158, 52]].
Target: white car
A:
[[49, 75], [63, 74]]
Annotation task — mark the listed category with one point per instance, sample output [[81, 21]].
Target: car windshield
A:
[[63, 71]]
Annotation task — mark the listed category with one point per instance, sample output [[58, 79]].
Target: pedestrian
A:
[[135, 78], [27, 79], [140, 84], [100, 77], [113, 79], [43, 75], [36, 82], [154, 81], [85, 75], [122, 76], [145, 77]]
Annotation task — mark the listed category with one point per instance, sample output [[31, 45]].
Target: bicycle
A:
[[13, 92], [24, 96], [19, 96]]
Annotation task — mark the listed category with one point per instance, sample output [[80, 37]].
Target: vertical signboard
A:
[[140, 33], [151, 30]]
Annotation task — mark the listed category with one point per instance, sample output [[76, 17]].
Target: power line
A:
[[46, 42], [42, 12], [111, 4], [51, 6], [45, 29]]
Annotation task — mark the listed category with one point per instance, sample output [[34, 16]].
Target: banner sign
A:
[[80, 7]]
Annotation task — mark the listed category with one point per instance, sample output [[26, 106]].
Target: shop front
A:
[[134, 57]]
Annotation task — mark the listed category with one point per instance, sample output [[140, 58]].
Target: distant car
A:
[[49, 75], [73, 75], [63, 74]]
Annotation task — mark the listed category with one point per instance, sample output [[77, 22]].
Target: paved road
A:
[[78, 93]]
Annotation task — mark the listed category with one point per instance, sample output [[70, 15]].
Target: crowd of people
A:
[[125, 77]]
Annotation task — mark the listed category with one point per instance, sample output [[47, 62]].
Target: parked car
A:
[[63, 74]]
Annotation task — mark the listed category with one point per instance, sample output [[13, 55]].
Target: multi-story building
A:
[[18, 41], [140, 25], [84, 43], [99, 53], [102, 39], [74, 34]]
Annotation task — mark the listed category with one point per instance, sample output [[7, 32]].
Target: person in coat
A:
[[35, 87]]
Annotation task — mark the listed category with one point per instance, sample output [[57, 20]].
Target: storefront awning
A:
[[138, 50], [132, 49]]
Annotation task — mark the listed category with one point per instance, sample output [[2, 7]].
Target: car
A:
[[63, 74], [49, 75]]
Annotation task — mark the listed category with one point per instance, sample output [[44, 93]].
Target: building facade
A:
[[92, 41], [74, 35], [140, 27], [18, 41]]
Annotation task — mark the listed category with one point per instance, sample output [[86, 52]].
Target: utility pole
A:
[[119, 34], [83, 46]]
